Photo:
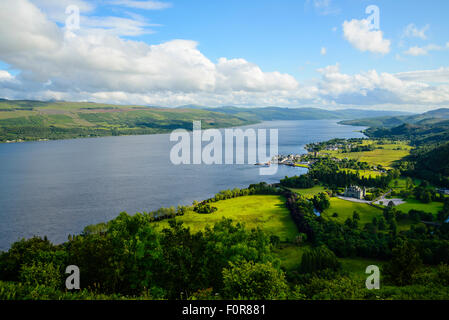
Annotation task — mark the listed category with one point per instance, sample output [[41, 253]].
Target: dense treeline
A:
[[431, 164], [327, 172], [130, 258], [374, 240]]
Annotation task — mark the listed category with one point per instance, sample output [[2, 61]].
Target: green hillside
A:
[[427, 118], [35, 120], [26, 120]]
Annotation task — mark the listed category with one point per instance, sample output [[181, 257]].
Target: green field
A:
[[310, 192], [265, 211], [290, 255], [433, 207], [345, 210], [356, 267], [384, 154], [364, 173]]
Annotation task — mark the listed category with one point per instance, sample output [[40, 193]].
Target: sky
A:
[[389, 54]]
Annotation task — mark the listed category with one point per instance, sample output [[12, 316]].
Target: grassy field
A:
[[345, 210], [384, 154], [266, 211], [34, 120], [433, 207], [356, 267], [364, 173], [310, 192], [290, 255]]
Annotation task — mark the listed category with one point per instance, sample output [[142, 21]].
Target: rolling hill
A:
[[277, 113], [427, 118], [27, 120]]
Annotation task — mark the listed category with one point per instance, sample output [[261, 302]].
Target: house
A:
[[355, 192]]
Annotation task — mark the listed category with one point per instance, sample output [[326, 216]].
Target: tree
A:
[[249, 280], [39, 273], [318, 259], [426, 197], [321, 201], [409, 183], [404, 264], [382, 224]]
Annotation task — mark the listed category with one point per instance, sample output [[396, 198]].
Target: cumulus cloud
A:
[[102, 62], [323, 51], [359, 34], [94, 64]]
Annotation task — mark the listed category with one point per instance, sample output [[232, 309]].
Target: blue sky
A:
[[252, 53], [287, 36]]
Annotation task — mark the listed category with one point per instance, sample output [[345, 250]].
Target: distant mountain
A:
[[427, 118], [418, 134], [278, 113]]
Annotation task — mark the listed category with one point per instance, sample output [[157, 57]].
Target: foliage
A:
[[404, 264], [249, 280], [318, 259]]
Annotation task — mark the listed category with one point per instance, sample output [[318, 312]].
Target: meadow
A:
[[290, 255], [432, 207], [309, 192], [364, 173], [384, 154], [265, 211], [345, 210]]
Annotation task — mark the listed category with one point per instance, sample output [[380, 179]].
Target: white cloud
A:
[[145, 5], [411, 31], [437, 75], [96, 64], [323, 51], [119, 26], [360, 36], [416, 51], [373, 88], [102, 62], [5, 76], [421, 51]]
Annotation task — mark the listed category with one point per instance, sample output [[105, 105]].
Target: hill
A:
[[430, 117], [34, 120], [277, 113], [26, 120], [419, 134]]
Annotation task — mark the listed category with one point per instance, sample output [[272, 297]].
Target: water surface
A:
[[56, 188]]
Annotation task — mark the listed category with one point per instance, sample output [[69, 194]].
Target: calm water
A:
[[56, 188]]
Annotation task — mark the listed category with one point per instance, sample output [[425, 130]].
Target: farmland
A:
[[385, 154]]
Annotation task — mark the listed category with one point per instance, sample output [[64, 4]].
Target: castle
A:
[[355, 192]]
